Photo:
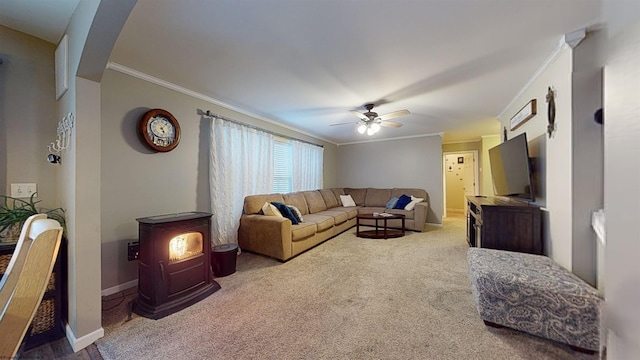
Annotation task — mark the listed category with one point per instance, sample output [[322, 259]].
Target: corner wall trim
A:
[[121, 287], [83, 341]]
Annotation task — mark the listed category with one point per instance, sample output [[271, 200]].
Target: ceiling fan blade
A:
[[394, 114], [392, 124], [346, 123], [360, 115]]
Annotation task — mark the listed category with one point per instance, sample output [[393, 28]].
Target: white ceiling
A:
[[44, 19], [455, 64]]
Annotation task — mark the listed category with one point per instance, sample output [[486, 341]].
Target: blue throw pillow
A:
[[285, 211], [401, 204], [392, 203]]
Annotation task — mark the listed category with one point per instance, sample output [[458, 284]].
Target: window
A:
[[282, 166], [297, 166]]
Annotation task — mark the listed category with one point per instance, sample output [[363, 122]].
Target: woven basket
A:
[[4, 262], [44, 319]]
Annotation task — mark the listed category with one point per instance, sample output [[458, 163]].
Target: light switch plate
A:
[[23, 190]]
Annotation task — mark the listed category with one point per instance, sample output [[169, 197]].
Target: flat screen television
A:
[[511, 169]]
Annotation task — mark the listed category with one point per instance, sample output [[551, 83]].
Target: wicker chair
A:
[[26, 280], [13, 269]]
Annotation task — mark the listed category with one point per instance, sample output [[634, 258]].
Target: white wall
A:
[[413, 162], [622, 179]]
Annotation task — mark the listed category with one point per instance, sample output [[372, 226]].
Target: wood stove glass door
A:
[[185, 268]]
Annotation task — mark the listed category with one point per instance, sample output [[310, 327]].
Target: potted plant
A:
[[14, 212]]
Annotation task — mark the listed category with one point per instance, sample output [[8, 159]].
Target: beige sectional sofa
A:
[[323, 217]]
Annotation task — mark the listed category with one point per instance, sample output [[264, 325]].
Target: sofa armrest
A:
[[420, 215], [267, 235]]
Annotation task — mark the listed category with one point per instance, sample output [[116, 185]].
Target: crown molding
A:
[[391, 139], [464, 141], [171, 86]]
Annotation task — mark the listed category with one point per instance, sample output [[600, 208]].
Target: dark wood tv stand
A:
[[504, 224]]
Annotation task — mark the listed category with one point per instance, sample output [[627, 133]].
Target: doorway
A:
[[460, 179]]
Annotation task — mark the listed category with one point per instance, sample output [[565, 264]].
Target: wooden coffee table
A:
[[380, 232]]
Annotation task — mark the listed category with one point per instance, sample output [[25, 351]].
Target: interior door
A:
[[469, 175]]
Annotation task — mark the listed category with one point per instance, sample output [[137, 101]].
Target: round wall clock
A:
[[159, 130]]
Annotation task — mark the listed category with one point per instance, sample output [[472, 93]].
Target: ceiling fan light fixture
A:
[[375, 127], [362, 128], [370, 131]]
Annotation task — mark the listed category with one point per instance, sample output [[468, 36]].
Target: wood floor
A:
[[60, 349]]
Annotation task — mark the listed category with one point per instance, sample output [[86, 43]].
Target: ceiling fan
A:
[[370, 122]]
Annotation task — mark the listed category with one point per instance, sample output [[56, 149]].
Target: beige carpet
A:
[[349, 298]]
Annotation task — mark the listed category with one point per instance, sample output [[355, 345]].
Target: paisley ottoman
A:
[[532, 293]]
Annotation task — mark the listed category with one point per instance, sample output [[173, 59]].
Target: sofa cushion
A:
[[338, 216], [392, 203], [358, 195], [303, 230], [377, 197], [371, 210], [351, 212], [337, 192], [403, 201], [409, 215], [324, 222], [253, 203], [296, 199], [315, 202], [329, 198], [286, 212]]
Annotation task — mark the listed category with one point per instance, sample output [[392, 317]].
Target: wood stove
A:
[[174, 263]]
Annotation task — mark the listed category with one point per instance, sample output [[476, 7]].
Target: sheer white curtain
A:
[[307, 166], [240, 164]]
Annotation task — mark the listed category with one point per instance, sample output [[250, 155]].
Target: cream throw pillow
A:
[[347, 200], [412, 204], [270, 210]]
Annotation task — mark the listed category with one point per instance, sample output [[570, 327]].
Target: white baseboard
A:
[[118, 288], [84, 341]]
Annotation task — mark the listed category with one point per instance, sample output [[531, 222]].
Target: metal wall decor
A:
[[551, 111]]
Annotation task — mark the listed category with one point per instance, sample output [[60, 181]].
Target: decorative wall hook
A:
[[63, 138]]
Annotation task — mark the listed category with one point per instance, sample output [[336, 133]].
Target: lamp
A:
[[369, 127]]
